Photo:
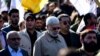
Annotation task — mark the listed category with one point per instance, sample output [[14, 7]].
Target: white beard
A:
[[54, 34]]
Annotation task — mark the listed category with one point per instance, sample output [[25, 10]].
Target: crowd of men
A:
[[51, 32]]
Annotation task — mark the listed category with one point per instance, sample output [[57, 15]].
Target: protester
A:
[[13, 48], [2, 34], [72, 39], [50, 42], [13, 21], [89, 47], [29, 34]]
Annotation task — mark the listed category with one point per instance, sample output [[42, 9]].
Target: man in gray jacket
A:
[[50, 42]]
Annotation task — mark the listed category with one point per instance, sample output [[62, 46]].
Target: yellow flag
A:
[[34, 5]]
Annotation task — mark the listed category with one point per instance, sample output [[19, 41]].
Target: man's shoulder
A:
[[23, 51], [6, 29], [42, 37], [4, 52]]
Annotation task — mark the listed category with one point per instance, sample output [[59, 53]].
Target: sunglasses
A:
[[13, 39], [65, 23], [56, 28]]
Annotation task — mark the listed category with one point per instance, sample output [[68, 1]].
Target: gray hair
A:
[[10, 33]]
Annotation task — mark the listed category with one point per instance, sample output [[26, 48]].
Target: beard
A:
[[90, 47], [54, 34], [15, 22]]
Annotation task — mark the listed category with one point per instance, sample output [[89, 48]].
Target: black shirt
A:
[[14, 28], [67, 39], [33, 38]]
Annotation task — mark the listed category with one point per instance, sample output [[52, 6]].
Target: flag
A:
[[34, 5], [85, 6]]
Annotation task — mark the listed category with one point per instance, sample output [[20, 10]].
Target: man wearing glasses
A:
[[13, 49], [50, 42], [71, 38]]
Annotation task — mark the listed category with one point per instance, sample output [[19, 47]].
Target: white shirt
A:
[[14, 53], [2, 40]]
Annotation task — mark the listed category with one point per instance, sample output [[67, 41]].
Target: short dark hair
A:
[[13, 11], [63, 15], [85, 32], [4, 12], [88, 16], [40, 17]]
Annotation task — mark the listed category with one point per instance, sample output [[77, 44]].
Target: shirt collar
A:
[[11, 50]]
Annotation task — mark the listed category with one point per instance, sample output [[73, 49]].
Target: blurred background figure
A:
[[64, 51], [88, 22], [89, 42], [48, 11], [67, 7], [2, 34], [5, 17], [22, 25]]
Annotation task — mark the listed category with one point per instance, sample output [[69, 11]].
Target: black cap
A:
[[32, 16]]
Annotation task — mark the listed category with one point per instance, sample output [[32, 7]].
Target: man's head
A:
[[30, 20], [90, 19], [51, 6], [89, 40], [13, 39], [65, 22], [52, 24], [5, 15], [14, 17], [39, 24], [1, 21]]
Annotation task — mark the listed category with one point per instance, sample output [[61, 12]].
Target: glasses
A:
[[13, 39], [56, 28], [15, 16]]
